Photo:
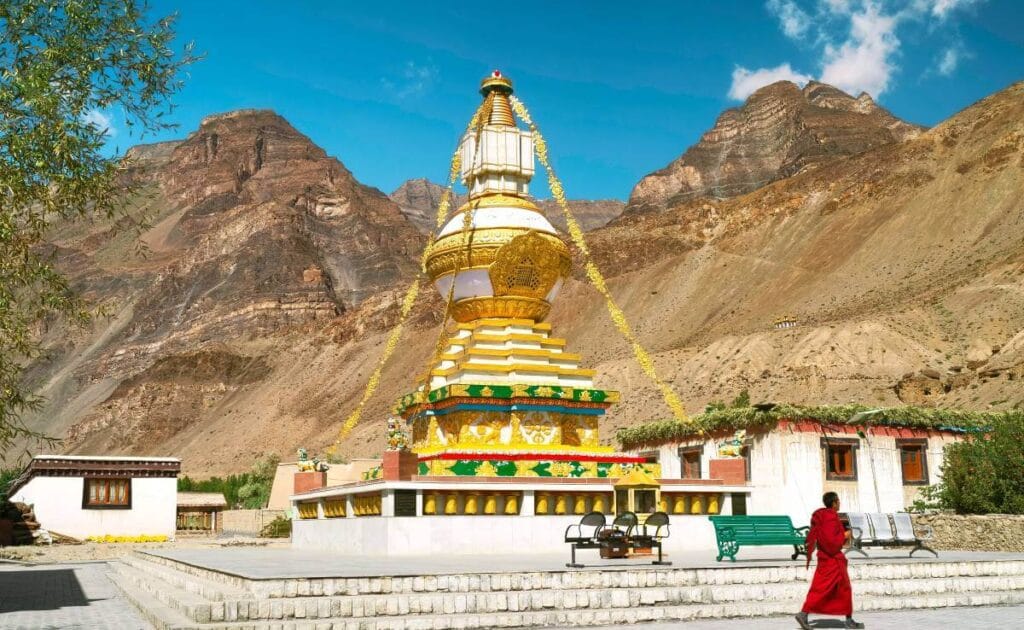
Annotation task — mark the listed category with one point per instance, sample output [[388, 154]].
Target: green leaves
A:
[[61, 61], [985, 474], [732, 419]]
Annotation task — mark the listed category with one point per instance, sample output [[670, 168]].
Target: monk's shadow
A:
[[826, 623]]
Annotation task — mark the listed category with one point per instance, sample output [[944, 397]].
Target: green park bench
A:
[[733, 532]]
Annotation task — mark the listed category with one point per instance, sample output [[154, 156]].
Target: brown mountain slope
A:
[[255, 232], [903, 266], [419, 199], [779, 131]]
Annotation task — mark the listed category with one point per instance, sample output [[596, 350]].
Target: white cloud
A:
[[414, 79], [745, 82], [864, 62], [839, 7], [942, 8], [101, 121], [793, 19], [948, 63]]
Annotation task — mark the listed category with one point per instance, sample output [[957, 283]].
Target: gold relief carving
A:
[[585, 396], [420, 433], [538, 428], [447, 430], [560, 469], [486, 391], [528, 266], [435, 436], [449, 254], [517, 438], [484, 429], [570, 430], [509, 306], [485, 469], [587, 430]]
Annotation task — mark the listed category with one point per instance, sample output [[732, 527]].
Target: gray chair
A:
[[905, 534], [860, 533], [881, 529]]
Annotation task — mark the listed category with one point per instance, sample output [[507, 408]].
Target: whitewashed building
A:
[[789, 465], [85, 496]]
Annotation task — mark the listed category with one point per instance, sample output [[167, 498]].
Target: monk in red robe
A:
[[830, 592]]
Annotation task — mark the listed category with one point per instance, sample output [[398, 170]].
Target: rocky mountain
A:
[[419, 199], [273, 277], [779, 131], [254, 232]]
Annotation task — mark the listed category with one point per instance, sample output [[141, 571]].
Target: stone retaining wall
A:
[[247, 522], [990, 532]]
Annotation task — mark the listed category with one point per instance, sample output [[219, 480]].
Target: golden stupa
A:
[[504, 398]]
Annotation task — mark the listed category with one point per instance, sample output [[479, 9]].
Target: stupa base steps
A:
[[180, 596]]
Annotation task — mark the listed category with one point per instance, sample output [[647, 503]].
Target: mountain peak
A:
[[780, 130]]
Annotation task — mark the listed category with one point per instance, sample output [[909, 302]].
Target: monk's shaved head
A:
[[829, 498]]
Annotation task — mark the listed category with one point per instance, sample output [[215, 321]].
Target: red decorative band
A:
[[540, 457]]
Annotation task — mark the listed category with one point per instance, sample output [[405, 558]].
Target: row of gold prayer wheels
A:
[[582, 503], [471, 503], [508, 503]]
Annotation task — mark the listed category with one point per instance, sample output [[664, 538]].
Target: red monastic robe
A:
[[830, 592]]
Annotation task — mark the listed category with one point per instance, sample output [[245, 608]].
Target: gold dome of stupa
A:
[[511, 262]]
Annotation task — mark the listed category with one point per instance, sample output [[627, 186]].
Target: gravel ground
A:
[[90, 551]]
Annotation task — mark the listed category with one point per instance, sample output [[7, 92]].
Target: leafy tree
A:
[[7, 475], [742, 400], [62, 64], [248, 490], [985, 474], [256, 492]]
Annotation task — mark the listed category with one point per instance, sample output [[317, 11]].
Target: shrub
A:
[[985, 474], [280, 527]]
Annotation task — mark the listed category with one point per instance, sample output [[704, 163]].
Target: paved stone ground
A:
[[74, 596], [959, 618]]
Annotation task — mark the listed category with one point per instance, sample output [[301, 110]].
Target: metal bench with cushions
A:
[[733, 532], [584, 535], [654, 530], [884, 530]]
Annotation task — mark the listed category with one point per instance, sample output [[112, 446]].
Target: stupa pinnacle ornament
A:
[[514, 261]]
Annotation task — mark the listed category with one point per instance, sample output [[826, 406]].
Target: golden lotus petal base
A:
[[510, 306]]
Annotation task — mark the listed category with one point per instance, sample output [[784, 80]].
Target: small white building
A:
[[84, 496], [874, 464]]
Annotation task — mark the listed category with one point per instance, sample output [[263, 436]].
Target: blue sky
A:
[[620, 89]]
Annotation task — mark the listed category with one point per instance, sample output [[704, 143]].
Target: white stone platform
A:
[[294, 588]]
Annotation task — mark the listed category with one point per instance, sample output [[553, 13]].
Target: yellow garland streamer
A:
[[410, 296], [593, 273]]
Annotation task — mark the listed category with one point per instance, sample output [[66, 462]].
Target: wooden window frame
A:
[[86, 505], [651, 457], [853, 444], [918, 443], [689, 450]]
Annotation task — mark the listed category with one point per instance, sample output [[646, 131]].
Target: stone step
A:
[[209, 589], [586, 579], [162, 616], [400, 604], [191, 606], [615, 616]]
